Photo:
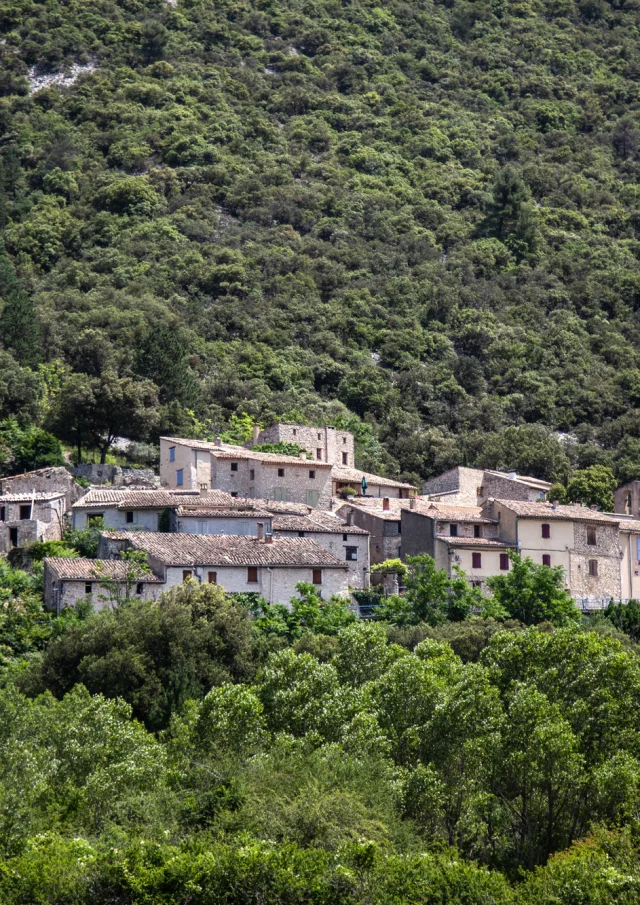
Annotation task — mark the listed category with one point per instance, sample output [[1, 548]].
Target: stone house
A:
[[238, 521], [583, 541], [197, 465], [29, 517], [68, 581], [326, 444], [627, 499], [382, 518], [347, 542], [139, 510], [55, 480], [462, 486], [271, 567]]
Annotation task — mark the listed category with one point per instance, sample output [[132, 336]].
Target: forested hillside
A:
[[419, 215]]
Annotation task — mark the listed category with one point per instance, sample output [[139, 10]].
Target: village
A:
[[264, 522]]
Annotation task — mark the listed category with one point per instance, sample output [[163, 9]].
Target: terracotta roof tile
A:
[[543, 510], [234, 550], [229, 451], [354, 475], [474, 541], [67, 569], [122, 498], [630, 525], [27, 497], [194, 512], [314, 524]]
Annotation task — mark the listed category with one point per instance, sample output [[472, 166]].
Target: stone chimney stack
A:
[[303, 455], [268, 539], [412, 502], [260, 530], [217, 441]]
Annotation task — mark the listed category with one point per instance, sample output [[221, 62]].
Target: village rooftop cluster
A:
[[254, 521]]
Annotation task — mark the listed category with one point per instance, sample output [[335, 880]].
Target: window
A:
[[186, 574], [213, 578], [546, 531], [593, 568], [453, 530], [319, 455], [546, 559], [344, 439], [139, 588], [477, 530], [88, 587], [281, 472], [478, 491], [252, 575], [319, 436], [280, 494], [3, 514], [300, 533], [344, 537], [234, 466], [504, 562], [234, 493], [317, 576], [180, 477], [345, 459], [94, 518], [351, 554], [172, 454], [591, 536], [25, 512], [295, 432], [13, 537], [129, 517], [252, 493], [252, 474], [476, 560], [312, 473]]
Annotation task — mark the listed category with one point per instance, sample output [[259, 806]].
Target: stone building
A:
[[326, 444], [29, 517], [583, 541], [54, 480], [196, 465], [140, 510], [462, 486], [347, 542], [382, 519], [68, 581]]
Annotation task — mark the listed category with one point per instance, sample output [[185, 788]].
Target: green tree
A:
[[594, 486], [19, 326], [431, 595], [533, 593]]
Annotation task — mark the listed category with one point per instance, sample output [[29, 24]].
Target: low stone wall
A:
[[116, 475]]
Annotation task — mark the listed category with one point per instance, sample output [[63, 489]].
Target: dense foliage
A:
[[338, 761], [421, 215]]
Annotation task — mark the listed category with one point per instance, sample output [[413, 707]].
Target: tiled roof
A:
[[315, 524], [393, 514], [446, 513], [536, 483], [67, 569], [525, 509], [122, 498], [193, 512], [233, 550], [631, 525], [474, 541], [275, 505], [351, 475], [27, 497], [229, 451]]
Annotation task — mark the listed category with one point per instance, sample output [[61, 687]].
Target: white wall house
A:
[[138, 510], [346, 542], [68, 581], [29, 517]]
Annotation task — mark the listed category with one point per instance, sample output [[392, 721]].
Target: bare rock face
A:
[[40, 81]]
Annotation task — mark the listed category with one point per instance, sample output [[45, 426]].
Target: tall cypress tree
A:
[[19, 327], [162, 358]]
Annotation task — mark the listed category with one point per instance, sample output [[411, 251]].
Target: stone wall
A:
[[116, 475], [44, 480], [326, 444], [606, 552]]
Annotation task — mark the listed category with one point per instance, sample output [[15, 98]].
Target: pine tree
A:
[[19, 328], [162, 358]]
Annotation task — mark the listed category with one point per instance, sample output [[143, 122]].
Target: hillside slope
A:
[[423, 215]]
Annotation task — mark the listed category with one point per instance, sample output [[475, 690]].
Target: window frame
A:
[[212, 578], [351, 554], [172, 454], [312, 474], [592, 536], [546, 560], [252, 575], [316, 576], [234, 466], [129, 517], [453, 529], [593, 568], [23, 508], [179, 477], [545, 528], [281, 472], [504, 562], [476, 559]]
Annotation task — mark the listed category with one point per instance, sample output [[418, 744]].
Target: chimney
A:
[[555, 504], [260, 530], [256, 433], [303, 455], [412, 502], [217, 441], [204, 489], [268, 539], [350, 517], [513, 475], [385, 504]]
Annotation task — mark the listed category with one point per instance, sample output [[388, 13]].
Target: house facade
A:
[[474, 486], [29, 517], [351, 479], [139, 510], [382, 519], [325, 444], [583, 541], [198, 465], [346, 542], [69, 581]]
